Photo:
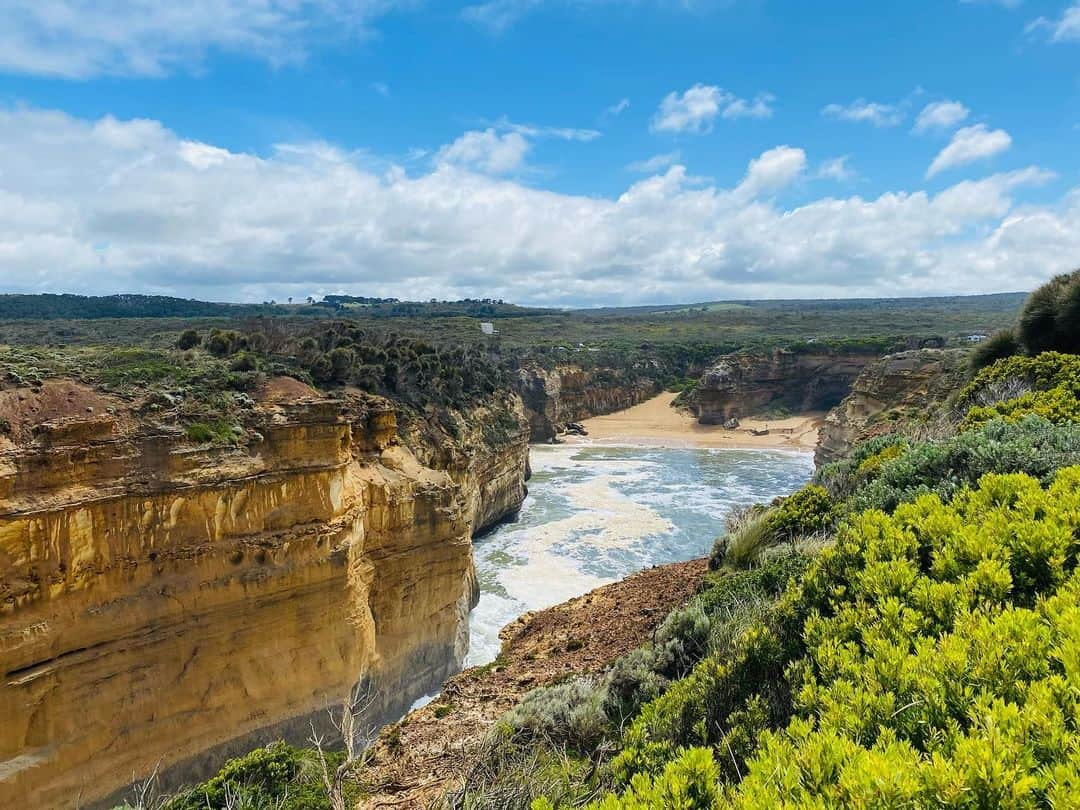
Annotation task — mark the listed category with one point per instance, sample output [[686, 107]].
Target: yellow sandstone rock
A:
[[165, 606]]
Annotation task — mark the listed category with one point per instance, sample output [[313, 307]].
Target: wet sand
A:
[[655, 422]]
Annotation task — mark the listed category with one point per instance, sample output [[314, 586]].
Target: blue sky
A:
[[565, 152]]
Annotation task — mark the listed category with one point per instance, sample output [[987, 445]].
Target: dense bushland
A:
[[928, 656], [1049, 322]]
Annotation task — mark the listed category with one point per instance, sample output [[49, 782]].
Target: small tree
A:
[[357, 740], [1048, 321], [188, 339]]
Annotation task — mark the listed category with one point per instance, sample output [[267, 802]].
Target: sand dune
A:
[[655, 422]]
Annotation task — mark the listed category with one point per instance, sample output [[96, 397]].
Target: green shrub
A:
[[743, 540], [222, 344], [1031, 445], [1058, 405], [809, 511], [137, 367], [871, 465], [244, 361], [564, 714], [1048, 320], [688, 782], [933, 658], [1041, 373], [218, 432], [322, 370], [998, 346], [862, 464], [278, 775], [341, 363], [188, 339], [681, 640], [942, 657]]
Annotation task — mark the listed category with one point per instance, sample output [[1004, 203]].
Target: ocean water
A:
[[597, 513]]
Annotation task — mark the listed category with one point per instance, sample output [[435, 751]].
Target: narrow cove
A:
[[597, 513]]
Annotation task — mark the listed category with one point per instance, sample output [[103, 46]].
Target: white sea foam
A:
[[598, 513]]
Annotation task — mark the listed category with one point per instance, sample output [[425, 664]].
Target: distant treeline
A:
[[49, 306]]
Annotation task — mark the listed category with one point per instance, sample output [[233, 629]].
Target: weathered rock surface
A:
[[164, 605], [741, 384], [897, 392], [571, 394]]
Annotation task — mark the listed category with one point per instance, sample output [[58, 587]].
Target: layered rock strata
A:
[[165, 605], [743, 384], [569, 393], [905, 392]]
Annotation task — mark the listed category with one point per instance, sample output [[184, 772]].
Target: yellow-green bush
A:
[[938, 665], [871, 465], [808, 511], [1058, 405], [1041, 373]]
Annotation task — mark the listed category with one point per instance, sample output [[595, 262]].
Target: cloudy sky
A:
[[558, 152]]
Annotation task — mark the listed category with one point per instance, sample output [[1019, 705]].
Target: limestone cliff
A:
[[898, 392], [165, 604], [745, 383], [569, 393]]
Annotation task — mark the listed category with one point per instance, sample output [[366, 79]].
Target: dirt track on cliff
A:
[[417, 760]]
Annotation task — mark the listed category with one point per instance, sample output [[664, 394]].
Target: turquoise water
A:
[[596, 514]]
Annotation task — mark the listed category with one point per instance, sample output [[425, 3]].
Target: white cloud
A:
[[502, 148], [869, 112], [696, 109], [837, 169], [486, 151], [498, 15], [1002, 3], [85, 38], [940, 116], [619, 107], [1064, 29], [968, 145], [108, 206], [559, 133], [773, 170], [655, 164]]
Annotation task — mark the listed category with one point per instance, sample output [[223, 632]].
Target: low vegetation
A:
[[1048, 322], [922, 654]]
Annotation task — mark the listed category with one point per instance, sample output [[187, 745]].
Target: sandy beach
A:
[[655, 422]]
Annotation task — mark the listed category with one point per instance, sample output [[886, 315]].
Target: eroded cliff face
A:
[[894, 393], [164, 605], [569, 393], [742, 384]]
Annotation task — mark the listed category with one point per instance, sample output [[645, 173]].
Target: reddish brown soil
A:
[[285, 389], [24, 408], [417, 760]]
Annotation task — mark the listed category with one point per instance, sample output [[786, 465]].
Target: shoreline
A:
[[654, 423]]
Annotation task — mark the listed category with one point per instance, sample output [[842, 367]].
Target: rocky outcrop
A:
[[741, 384], [569, 393], [166, 605], [891, 394]]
